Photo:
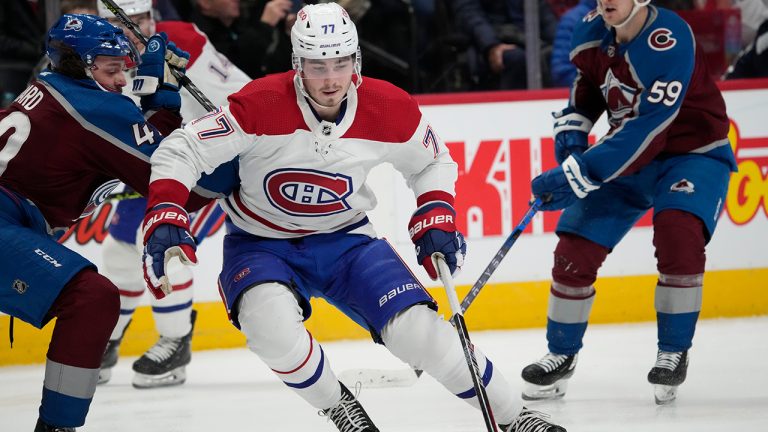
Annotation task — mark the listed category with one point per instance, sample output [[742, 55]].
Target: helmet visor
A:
[[340, 67], [130, 52]]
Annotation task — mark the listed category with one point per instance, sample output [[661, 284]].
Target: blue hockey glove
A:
[[166, 235], [433, 230], [571, 133], [153, 72], [560, 187]]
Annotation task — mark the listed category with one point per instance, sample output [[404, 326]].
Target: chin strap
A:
[[635, 9]]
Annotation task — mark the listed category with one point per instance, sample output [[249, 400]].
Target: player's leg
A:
[[689, 199], [266, 300], [164, 364], [121, 265], [377, 288], [588, 230], [48, 281]]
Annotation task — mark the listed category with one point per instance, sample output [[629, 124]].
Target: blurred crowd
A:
[[423, 46]]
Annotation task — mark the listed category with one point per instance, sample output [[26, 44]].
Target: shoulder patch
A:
[[661, 39], [591, 15]]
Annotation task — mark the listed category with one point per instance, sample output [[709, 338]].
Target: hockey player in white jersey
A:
[[164, 363], [306, 141]]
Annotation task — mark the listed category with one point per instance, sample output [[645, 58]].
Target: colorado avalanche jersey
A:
[[211, 71], [301, 175], [659, 97], [65, 144]]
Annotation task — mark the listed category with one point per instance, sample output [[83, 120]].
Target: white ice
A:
[[230, 390]]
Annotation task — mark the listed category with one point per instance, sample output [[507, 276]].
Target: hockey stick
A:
[[183, 79], [407, 377], [469, 350]]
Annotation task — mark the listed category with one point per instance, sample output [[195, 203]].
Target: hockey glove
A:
[[571, 133], [560, 187], [166, 235], [433, 231], [154, 82]]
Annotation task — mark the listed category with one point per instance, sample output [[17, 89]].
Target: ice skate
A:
[[348, 415], [41, 426], [548, 377], [109, 360], [165, 363], [531, 421], [667, 374]]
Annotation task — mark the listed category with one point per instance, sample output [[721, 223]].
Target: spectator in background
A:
[[21, 45], [753, 61], [498, 31], [753, 14], [562, 70], [79, 7], [252, 46]]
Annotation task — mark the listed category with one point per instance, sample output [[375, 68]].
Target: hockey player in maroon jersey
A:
[[306, 141], [667, 149], [65, 143]]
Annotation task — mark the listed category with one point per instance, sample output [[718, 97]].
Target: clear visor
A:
[[340, 67], [132, 55]]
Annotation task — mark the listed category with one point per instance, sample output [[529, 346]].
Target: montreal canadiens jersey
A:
[[65, 144], [208, 69], [300, 175], [660, 99]]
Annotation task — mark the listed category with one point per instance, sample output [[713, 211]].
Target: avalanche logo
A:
[[99, 196], [684, 186], [305, 192], [73, 24], [661, 39], [619, 97]]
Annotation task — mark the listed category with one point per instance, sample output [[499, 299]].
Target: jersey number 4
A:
[[665, 92]]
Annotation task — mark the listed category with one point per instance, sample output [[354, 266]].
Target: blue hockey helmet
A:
[[90, 36]]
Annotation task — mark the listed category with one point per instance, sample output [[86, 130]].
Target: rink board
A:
[[500, 141], [499, 306]]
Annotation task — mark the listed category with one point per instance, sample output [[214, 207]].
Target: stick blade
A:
[[379, 378]]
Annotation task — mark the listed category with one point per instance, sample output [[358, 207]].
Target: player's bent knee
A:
[[272, 321], [419, 337], [577, 260], [679, 238], [87, 310]]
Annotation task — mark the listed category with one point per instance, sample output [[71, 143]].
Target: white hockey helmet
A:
[[131, 7], [323, 31]]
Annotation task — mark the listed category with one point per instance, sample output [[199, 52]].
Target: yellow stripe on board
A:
[[728, 293]]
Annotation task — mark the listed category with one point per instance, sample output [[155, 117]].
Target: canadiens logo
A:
[[243, 273], [304, 192], [661, 39], [684, 186], [619, 97]]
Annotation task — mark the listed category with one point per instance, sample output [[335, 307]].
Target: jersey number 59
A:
[[665, 92]]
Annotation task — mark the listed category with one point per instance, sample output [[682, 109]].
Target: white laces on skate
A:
[[552, 361], [163, 349], [530, 421], [348, 414], [668, 360]]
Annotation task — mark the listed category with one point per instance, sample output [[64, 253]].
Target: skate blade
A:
[[664, 394], [104, 376], [532, 392], [173, 378]]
